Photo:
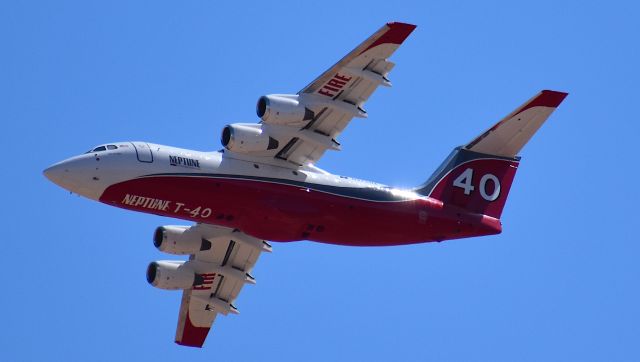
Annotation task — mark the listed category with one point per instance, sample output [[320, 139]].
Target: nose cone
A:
[[76, 174], [55, 174]]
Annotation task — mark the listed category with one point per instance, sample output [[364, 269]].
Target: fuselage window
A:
[[101, 148], [112, 147]]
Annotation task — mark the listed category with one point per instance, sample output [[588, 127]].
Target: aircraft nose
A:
[[77, 174], [55, 173]]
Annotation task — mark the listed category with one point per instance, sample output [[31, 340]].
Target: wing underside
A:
[[339, 94], [221, 272], [332, 100]]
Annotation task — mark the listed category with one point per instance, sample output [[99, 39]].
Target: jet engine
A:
[[170, 275], [282, 109], [179, 240], [247, 138]]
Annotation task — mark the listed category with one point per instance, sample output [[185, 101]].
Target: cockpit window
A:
[[104, 148]]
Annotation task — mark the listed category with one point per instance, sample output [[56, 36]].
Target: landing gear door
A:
[[143, 151]]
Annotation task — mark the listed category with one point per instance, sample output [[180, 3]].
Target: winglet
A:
[[396, 34]]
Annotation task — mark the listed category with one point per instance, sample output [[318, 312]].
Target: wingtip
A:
[[401, 25], [186, 344], [192, 336], [398, 32], [550, 98]]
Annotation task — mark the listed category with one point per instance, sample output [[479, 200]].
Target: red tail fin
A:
[[478, 176]]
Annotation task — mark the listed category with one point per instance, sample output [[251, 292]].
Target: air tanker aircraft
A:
[[264, 185]]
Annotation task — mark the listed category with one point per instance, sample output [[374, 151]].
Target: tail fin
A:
[[477, 177]]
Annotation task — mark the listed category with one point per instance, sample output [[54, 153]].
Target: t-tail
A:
[[477, 177]]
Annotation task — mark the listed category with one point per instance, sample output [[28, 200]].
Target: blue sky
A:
[[560, 283]]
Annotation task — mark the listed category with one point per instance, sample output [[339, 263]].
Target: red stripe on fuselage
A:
[[281, 212]]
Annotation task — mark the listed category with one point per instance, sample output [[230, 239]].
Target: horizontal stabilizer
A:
[[507, 137]]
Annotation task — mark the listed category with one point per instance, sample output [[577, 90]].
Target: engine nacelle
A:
[[247, 138], [170, 275], [282, 109], [179, 240]]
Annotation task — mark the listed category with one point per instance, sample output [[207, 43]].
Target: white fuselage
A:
[[91, 173]]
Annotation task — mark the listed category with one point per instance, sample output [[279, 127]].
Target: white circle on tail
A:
[[483, 187]]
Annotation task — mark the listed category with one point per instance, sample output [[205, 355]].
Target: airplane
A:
[[264, 185]]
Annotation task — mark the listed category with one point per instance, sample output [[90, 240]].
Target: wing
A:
[[301, 127], [221, 269], [338, 95]]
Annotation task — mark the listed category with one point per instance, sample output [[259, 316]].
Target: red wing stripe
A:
[[192, 336], [396, 34]]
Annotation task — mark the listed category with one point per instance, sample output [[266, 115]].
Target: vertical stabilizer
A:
[[477, 177]]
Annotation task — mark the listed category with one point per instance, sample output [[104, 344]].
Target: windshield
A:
[[103, 148]]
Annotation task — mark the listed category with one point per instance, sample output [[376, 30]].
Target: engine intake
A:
[[179, 240], [170, 275], [247, 138], [282, 109]]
